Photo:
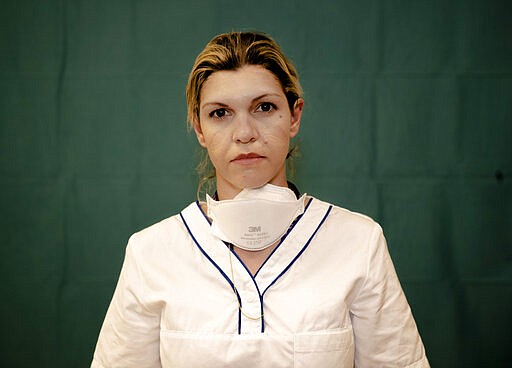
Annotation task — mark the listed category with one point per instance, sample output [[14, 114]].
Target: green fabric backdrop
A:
[[408, 119]]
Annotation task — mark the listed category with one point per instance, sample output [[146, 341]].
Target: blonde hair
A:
[[230, 51]]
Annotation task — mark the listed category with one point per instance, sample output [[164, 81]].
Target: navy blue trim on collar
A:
[[285, 235], [221, 272], [253, 278], [301, 251], [204, 214]]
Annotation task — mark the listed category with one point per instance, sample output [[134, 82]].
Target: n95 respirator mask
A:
[[256, 218]]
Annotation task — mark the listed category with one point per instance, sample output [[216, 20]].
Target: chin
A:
[[253, 182], [252, 185]]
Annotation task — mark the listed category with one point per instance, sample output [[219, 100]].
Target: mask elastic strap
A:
[[230, 250]]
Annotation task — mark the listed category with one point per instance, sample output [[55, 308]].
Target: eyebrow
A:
[[222, 104]]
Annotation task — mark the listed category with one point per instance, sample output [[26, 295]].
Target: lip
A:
[[247, 158]]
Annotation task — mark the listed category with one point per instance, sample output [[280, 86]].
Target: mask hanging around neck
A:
[[256, 218]]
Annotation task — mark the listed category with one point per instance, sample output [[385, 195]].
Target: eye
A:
[[266, 107], [219, 113]]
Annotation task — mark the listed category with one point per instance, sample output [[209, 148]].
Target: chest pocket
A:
[[326, 349]]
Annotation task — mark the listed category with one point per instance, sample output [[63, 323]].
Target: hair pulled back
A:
[[231, 51]]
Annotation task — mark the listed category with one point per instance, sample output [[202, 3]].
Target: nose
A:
[[244, 130]]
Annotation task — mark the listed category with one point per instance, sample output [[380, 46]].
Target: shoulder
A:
[[156, 231], [347, 230], [170, 230], [345, 218]]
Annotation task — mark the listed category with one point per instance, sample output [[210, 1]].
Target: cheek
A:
[[278, 145], [278, 137], [214, 146]]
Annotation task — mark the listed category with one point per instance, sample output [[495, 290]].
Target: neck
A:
[[226, 190]]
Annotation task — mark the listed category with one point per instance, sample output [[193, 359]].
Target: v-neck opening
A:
[[283, 238], [291, 247]]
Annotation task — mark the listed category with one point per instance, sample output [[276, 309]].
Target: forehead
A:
[[245, 82]]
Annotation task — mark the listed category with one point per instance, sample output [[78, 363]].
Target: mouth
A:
[[247, 157]]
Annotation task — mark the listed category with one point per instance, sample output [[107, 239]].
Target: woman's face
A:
[[246, 125]]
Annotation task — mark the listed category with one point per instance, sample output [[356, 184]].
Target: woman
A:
[[258, 275]]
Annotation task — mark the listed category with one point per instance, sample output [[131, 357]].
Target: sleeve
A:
[[130, 334], [385, 333]]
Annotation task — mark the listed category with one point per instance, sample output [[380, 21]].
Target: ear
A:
[[296, 115], [199, 132]]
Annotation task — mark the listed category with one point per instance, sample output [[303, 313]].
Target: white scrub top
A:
[[328, 296]]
